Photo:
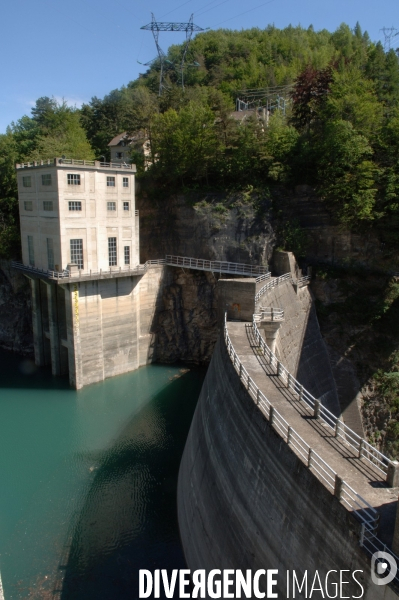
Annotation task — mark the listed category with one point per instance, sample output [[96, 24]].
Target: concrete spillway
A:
[[247, 501]]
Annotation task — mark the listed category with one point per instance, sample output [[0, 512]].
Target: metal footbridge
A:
[[200, 264]]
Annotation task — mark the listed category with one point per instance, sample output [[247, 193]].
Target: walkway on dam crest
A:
[[358, 473]]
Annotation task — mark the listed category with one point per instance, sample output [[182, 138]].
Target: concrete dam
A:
[[271, 477]]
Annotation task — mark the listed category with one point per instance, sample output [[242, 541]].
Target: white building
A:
[[122, 145], [76, 212]]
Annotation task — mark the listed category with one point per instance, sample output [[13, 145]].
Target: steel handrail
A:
[[342, 431], [362, 510], [215, 266]]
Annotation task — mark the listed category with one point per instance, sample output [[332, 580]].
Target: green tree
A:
[[346, 174], [9, 222]]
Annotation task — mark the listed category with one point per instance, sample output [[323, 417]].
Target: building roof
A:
[[128, 139]]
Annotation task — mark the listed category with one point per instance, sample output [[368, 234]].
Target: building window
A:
[[111, 205], [126, 182], [126, 206], [119, 155], [46, 179], [50, 254], [127, 254], [77, 253], [73, 179], [112, 251], [28, 205], [47, 205], [27, 181], [75, 205], [110, 181], [31, 251]]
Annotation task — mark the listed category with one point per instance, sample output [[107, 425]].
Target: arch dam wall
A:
[[300, 346], [245, 499]]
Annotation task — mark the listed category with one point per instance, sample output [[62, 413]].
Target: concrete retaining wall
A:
[[245, 501], [110, 325]]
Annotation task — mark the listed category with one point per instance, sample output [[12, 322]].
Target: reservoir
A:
[[88, 479]]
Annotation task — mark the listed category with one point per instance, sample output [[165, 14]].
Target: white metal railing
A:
[[215, 266], [63, 275], [271, 284], [263, 277], [303, 280], [363, 511], [371, 544], [341, 431], [269, 314]]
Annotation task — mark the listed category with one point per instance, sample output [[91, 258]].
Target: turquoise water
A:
[[88, 479]]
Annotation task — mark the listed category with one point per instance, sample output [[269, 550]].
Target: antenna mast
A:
[[156, 27]]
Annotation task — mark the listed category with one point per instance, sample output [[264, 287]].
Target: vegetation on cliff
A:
[[341, 134]]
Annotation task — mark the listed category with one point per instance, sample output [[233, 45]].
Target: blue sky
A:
[[83, 48]]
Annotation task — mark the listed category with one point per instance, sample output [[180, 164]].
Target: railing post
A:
[[248, 382], [338, 486], [338, 428], [271, 414], [361, 448], [317, 409], [362, 531], [301, 392], [310, 457], [257, 395], [392, 478], [240, 370], [289, 434], [279, 365], [289, 380]]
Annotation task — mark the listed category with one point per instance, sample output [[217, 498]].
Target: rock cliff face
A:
[[186, 323], [15, 311], [205, 228], [238, 229]]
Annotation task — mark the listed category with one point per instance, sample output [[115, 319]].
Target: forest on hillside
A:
[[340, 133]]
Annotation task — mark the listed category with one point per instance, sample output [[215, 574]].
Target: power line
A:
[[177, 8], [209, 3], [244, 13], [209, 9]]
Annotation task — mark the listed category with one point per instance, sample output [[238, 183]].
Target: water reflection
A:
[[101, 501]]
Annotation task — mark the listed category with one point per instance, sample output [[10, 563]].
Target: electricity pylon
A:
[[156, 27], [389, 33]]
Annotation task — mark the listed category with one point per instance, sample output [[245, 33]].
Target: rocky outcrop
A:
[[212, 227], [15, 311], [236, 229], [186, 323]]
